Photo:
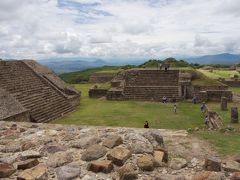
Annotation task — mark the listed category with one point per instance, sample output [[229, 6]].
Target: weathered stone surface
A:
[[27, 145], [53, 148], [39, 173], [224, 102], [234, 114], [68, 172], [237, 158], [59, 158], [119, 155], [27, 164], [146, 163], [85, 142], [235, 176], [170, 177], [112, 141], [29, 154], [139, 144], [212, 164], [94, 152], [128, 172], [160, 157], [157, 136], [6, 170], [104, 166], [208, 175], [231, 166], [178, 163], [11, 148]]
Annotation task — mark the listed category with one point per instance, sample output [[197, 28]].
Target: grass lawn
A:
[[235, 90], [100, 112], [215, 74]]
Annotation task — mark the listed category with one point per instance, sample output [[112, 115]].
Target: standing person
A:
[[174, 99], [194, 100], [175, 108], [146, 124], [164, 99]]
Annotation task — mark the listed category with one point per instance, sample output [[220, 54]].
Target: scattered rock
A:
[[139, 144], [59, 158], [231, 166], [237, 158], [178, 163], [94, 152], [119, 155], [128, 172], [104, 166], [6, 170], [208, 175], [212, 164], [145, 163], [160, 157], [157, 136], [112, 141], [27, 164], [68, 172], [235, 176], [39, 173]]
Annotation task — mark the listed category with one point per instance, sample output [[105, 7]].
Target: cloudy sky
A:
[[118, 28]]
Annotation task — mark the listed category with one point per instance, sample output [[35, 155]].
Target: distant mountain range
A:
[[224, 58], [64, 65]]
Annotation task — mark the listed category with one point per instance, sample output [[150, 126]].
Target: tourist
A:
[[164, 99], [194, 100], [160, 66], [203, 107], [174, 100], [175, 108], [146, 124]]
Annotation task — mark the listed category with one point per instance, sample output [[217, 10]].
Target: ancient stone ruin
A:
[[101, 77], [57, 152], [145, 84], [31, 92]]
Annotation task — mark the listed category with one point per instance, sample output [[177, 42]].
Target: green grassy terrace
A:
[[100, 112]]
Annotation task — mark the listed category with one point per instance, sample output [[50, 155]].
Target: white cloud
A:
[[118, 28]]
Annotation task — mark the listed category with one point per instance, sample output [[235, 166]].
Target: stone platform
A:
[[49, 151]]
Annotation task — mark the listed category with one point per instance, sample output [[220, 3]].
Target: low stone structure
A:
[[97, 93], [51, 151], [34, 92], [234, 115], [224, 102], [233, 82], [101, 77], [214, 95], [146, 84]]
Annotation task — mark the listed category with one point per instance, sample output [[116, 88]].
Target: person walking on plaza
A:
[[175, 108]]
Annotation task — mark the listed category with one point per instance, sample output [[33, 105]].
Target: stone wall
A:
[[97, 93], [51, 152], [101, 77], [10, 108], [231, 82], [195, 90], [215, 95]]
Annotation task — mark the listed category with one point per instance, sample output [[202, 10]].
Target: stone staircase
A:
[[43, 101], [151, 85]]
